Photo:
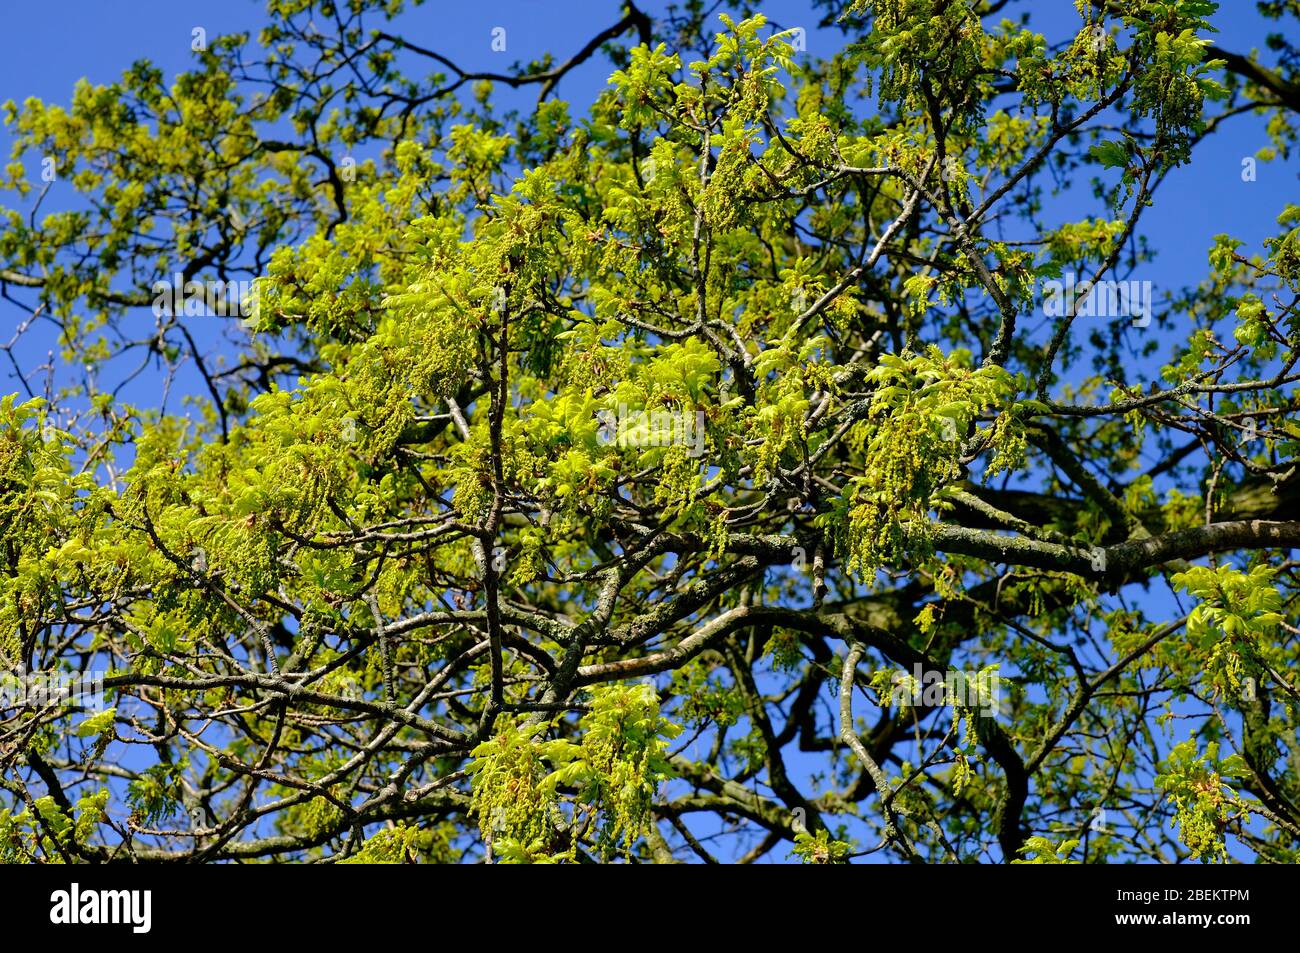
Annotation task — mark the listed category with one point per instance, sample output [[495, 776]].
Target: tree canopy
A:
[[784, 457]]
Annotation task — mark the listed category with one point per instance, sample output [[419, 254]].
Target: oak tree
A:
[[783, 457]]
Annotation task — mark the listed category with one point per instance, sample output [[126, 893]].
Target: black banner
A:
[[144, 905]]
